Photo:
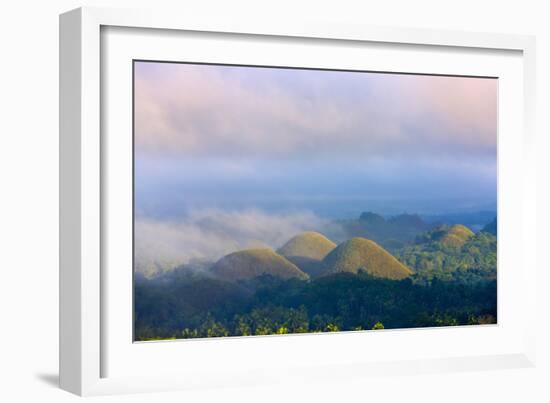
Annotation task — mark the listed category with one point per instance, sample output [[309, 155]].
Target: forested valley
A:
[[392, 273]]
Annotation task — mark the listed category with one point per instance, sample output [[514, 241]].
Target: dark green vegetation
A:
[[470, 259], [443, 276], [205, 307]]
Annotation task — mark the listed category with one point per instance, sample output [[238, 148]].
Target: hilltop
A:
[[308, 244], [307, 250], [250, 263], [457, 236], [361, 253]]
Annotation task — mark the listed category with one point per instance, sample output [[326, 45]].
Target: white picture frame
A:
[[88, 337]]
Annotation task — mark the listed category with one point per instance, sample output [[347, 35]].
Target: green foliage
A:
[[456, 236], [190, 333], [344, 301], [475, 260], [282, 330], [378, 326], [214, 329], [242, 328]]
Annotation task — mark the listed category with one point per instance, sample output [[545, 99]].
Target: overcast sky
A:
[[332, 142]]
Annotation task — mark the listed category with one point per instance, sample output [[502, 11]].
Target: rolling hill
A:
[[250, 263], [361, 253], [456, 236], [307, 251], [308, 244]]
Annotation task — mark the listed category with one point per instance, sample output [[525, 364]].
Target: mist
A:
[[209, 234]]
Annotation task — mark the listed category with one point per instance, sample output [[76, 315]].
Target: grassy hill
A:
[[252, 263], [457, 236], [307, 250], [448, 236], [308, 244], [362, 253]]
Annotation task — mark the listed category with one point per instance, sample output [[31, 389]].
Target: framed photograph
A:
[[254, 202]]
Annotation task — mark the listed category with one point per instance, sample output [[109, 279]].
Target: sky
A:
[[277, 141], [233, 136]]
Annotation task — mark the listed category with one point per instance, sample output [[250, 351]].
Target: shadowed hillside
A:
[[308, 244], [251, 263], [307, 250], [491, 228], [364, 254]]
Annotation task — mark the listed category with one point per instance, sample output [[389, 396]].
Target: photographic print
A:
[[274, 200]]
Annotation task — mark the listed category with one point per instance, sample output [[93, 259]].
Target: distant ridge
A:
[[392, 233], [250, 263], [491, 228], [372, 218], [363, 254]]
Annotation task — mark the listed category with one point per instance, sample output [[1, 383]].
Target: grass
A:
[[309, 244], [457, 236], [251, 263], [361, 253]]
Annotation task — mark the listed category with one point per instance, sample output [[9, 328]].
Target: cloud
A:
[[283, 139], [191, 110], [210, 234]]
